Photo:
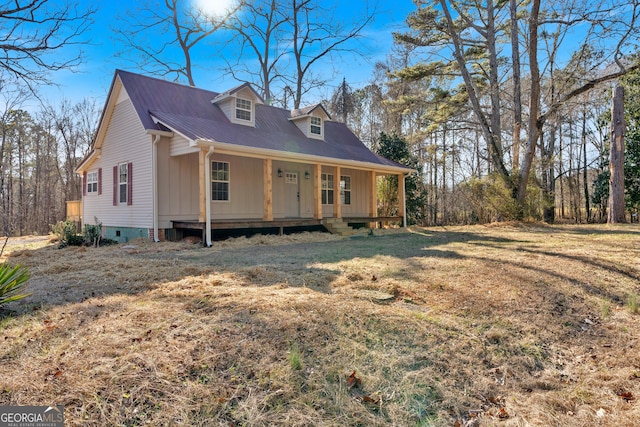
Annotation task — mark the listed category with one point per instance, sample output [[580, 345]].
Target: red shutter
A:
[[129, 183], [84, 183], [99, 181], [115, 185]]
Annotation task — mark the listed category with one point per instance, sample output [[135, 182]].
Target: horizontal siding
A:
[[125, 141], [179, 145]]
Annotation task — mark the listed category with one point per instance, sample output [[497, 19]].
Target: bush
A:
[[68, 235], [12, 282]]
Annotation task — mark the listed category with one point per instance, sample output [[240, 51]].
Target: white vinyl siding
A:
[[125, 142]]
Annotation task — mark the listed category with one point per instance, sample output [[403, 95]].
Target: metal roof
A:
[[190, 112]]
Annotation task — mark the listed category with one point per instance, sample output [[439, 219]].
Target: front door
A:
[[292, 195]]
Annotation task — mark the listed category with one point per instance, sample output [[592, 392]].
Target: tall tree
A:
[[35, 35], [188, 26], [470, 34], [616, 162]]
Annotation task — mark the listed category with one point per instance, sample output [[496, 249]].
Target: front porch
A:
[[182, 228]]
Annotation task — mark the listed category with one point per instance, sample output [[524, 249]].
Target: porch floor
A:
[[281, 223]]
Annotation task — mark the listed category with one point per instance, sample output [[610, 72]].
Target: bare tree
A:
[[258, 32], [316, 34], [189, 25], [470, 34], [616, 162], [34, 35]]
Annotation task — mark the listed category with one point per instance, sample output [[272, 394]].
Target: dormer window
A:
[[243, 109], [310, 120], [316, 125], [239, 104]]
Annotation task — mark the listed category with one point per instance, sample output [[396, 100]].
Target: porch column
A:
[[402, 207], [202, 160], [337, 205], [373, 198], [317, 191], [267, 180]]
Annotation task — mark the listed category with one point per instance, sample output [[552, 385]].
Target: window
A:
[[327, 188], [291, 178], [345, 190], [123, 181], [243, 109], [92, 182], [316, 125], [220, 181]]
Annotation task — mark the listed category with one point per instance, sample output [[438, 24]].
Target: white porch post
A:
[[207, 185]]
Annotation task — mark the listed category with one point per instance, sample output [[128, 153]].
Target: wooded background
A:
[[504, 109]]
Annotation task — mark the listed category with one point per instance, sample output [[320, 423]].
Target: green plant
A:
[[67, 233], [12, 282], [295, 357], [93, 233]]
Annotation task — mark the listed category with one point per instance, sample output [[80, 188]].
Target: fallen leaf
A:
[[368, 399], [353, 381], [627, 396], [503, 414], [457, 424]]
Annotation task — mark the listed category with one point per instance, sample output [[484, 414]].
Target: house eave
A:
[[234, 149]]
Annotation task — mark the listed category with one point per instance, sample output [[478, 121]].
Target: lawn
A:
[[509, 325]]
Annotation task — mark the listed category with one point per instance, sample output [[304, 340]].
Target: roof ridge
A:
[[183, 85]]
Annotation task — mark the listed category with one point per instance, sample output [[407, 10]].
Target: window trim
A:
[[92, 185], [124, 184], [227, 181], [327, 190], [344, 190], [318, 125], [244, 109]]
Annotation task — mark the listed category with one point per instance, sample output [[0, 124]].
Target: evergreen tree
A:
[[395, 148]]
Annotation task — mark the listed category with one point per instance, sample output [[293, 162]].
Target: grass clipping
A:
[[517, 325]]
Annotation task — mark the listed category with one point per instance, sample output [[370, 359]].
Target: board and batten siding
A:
[[178, 185], [360, 193], [125, 142], [245, 189]]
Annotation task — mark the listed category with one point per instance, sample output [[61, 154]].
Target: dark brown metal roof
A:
[[190, 112]]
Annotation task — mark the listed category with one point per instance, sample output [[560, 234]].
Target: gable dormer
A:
[[239, 104], [310, 120]]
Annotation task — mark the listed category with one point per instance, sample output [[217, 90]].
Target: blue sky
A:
[[94, 76]]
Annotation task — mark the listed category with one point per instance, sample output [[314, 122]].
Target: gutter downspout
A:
[[154, 180], [207, 204], [404, 201]]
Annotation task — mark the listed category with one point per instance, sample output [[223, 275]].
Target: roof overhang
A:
[[262, 153]]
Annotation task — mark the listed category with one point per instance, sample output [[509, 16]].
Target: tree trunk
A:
[[585, 184], [517, 93], [616, 159]]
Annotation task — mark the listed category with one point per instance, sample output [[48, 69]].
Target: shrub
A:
[[12, 282], [67, 233]]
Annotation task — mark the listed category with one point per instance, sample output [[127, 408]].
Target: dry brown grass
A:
[[516, 325]]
